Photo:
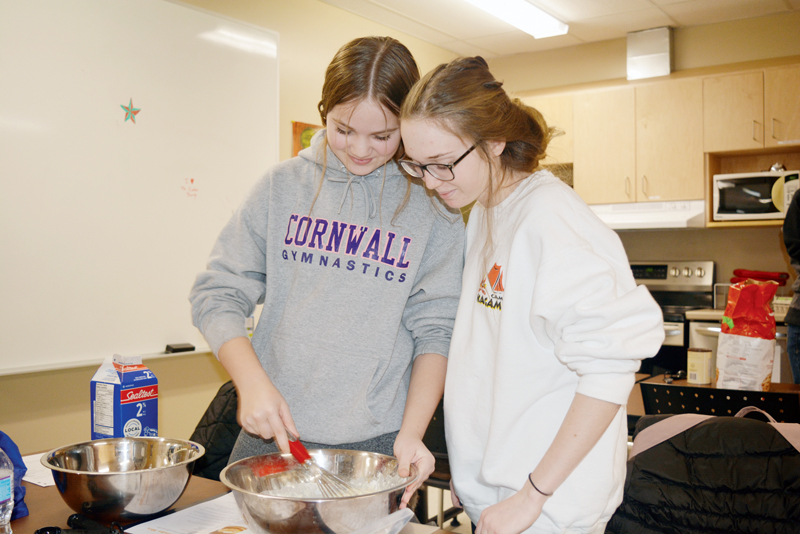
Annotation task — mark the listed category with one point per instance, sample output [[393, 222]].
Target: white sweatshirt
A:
[[553, 312]]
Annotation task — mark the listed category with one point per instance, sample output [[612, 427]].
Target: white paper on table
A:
[[36, 472], [203, 518]]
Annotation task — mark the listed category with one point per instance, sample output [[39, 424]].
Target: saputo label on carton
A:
[[124, 396]]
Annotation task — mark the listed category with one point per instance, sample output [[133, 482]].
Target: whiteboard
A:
[[130, 130]]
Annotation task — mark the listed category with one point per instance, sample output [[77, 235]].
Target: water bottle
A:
[[6, 492]]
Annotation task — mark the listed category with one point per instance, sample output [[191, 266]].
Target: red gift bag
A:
[[746, 347]]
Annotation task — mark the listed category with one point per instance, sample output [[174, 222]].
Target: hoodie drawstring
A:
[[370, 208]]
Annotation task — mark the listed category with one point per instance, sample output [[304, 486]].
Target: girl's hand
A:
[[264, 412], [513, 515], [410, 450]]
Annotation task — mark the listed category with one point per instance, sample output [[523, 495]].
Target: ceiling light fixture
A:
[[522, 15]]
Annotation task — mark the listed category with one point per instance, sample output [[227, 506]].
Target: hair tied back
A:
[[469, 63]]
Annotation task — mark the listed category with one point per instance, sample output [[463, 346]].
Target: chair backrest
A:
[[217, 431]]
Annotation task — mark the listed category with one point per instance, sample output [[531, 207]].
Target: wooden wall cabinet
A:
[[557, 112], [669, 140], [639, 144], [782, 106], [604, 165], [663, 140], [733, 112], [752, 110]]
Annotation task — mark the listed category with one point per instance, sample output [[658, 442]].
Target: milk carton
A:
[[124, 399]]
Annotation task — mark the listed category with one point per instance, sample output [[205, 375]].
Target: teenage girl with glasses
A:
[[551, 326]]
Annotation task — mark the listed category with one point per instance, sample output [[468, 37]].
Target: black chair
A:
[[217, 432]]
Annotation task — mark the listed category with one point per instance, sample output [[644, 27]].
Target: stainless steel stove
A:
[[677, 286]]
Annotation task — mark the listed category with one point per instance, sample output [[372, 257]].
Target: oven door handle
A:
[[713, 331], [709, 331], [673, 333]]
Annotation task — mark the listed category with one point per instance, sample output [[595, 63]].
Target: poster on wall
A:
[[301, 135]]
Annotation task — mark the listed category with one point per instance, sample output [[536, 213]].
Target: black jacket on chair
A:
[[217, 432], [724, 475]]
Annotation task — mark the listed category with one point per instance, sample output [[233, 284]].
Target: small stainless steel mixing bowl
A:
[[122, 479], [271, 514]]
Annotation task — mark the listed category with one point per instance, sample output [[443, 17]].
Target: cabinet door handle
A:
[[755, 130], [779, 335], [785, 141], [628, 186], [644, 186]]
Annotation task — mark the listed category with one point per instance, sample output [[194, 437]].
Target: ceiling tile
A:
[[699, 12], [453, 17], [371, 11], [519, 42], [617, 26], [574, 10]]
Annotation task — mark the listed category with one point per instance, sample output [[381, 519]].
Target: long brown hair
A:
[[380, 69], [463, 98]]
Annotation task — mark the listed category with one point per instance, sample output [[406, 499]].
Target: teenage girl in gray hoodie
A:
[[359, 274]]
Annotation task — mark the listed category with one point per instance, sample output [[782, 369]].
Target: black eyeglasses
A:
[[440, 171]]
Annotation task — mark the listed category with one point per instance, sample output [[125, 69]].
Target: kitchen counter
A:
[[709, 314], [47, 508]]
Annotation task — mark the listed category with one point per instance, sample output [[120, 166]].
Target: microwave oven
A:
[[753, 196]]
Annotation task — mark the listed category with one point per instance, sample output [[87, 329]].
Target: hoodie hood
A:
[[336, 172]]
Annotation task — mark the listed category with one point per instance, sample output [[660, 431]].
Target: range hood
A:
[[652, 215]]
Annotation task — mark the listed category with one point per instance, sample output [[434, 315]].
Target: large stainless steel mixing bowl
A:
[[122, 479], [271, 514]]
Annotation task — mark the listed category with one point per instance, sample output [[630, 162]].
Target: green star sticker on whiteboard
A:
[[130, 111]]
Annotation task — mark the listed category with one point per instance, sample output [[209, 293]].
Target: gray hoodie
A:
[[351, 293]]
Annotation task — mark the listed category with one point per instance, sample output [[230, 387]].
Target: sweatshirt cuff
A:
[[432, 347], [611, 387], [225, 327]]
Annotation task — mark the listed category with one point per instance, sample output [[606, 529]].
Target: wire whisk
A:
[[329, 484]]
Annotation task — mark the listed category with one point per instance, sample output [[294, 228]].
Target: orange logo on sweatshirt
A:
[[490, 292]]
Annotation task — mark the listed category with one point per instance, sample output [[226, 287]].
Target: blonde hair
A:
[[463, 98], [378, 69]]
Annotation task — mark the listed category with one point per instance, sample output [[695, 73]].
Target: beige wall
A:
[[41, 411], [755, 249]]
